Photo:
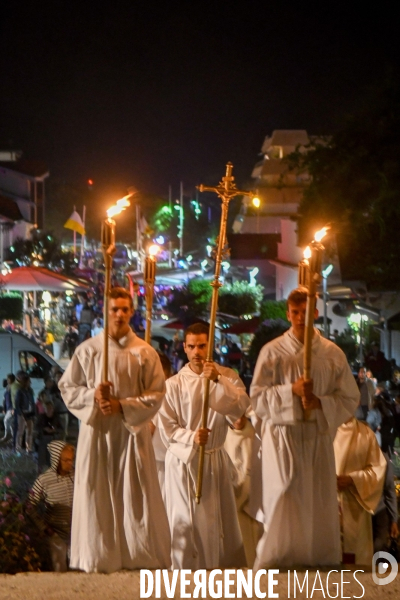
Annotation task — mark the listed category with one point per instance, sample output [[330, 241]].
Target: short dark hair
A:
[[197, 329], [120, 292], [297, 296], [11, 377]]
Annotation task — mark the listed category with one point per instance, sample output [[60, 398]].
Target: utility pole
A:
[[181, 220]]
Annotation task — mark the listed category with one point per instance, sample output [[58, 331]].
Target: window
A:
[[34, 364]]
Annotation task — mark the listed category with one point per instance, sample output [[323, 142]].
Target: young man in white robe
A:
[[205, 535], [361, 470], [119, 520], [301, 519]]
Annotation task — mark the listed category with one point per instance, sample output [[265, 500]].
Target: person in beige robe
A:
[[360, 469], [239, 446], [118, 519], [301, 520]]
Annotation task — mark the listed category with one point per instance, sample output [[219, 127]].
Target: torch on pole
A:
[[310, 277], [226, 190], [108, 248], [149, 279]]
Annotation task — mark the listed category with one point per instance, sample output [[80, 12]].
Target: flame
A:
[[120, 205], [307, 252], [320, 234], [154, 250]]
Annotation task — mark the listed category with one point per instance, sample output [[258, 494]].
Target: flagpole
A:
[[81, 265]]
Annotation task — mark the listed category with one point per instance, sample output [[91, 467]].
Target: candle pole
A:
[[109, 248], [310, 277], [149, 279]]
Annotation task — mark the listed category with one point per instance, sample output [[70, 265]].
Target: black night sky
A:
[[138, 94]]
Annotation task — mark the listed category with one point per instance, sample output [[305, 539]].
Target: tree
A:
[[240, 299], [355, 186], [193, 301], [42, 250], [268, 331], [273, 309]]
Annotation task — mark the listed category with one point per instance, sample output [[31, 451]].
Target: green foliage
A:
[[355, 186], [202, 291], [58, 330], [17, 548], [161, 219], [11, 305], [273, 309], [240, 298], [43, 250], [268, 331], [347, 342], [194, 300], [186, 303]]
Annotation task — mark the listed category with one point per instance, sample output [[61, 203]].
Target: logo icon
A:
[[384, 560]]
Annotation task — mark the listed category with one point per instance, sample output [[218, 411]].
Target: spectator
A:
[[367, 392], [49, 341], [51, 497], [70, 341], [386, 407], [85, 322], [8, 410], [48, 428], [25, 409]]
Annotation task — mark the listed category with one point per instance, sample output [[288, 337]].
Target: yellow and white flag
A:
[[75, 223]]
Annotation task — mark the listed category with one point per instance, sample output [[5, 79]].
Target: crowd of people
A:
[[293, 471], [31, 424]]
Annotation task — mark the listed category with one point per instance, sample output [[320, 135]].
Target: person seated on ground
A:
[[48, 428], [384, 521], [51, 498], [360, 470]]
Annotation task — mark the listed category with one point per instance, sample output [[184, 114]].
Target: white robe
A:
[[357, 454], [301, 520], [160, 450], [239, 446], [205, 535], [119, 519]]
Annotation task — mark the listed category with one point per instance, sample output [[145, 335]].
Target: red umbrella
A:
[[177, 324], [31, 279], [244, 326]]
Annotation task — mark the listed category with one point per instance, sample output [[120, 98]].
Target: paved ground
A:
[[126, 586]]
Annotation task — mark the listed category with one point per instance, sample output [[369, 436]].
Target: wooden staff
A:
[[149, 278], [226, 190], [108, 247], [310, 276]]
